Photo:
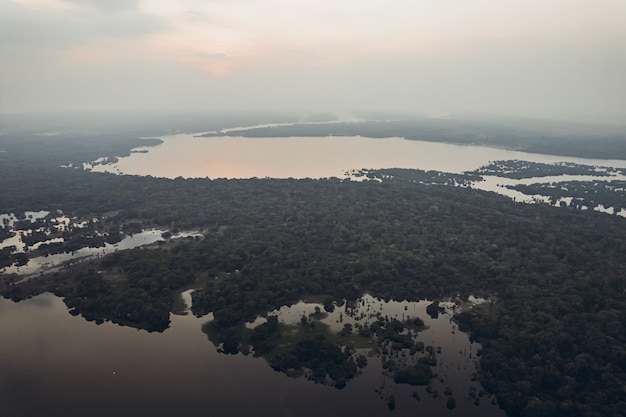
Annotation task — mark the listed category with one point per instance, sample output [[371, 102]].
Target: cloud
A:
[[108, 5], [432, 55], [56, 28], [218, 56]]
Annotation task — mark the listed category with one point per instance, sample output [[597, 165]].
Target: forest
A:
[[552, 336], [536, 136]]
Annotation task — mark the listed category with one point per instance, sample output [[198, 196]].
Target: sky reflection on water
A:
[[62, 365], [188, 156]]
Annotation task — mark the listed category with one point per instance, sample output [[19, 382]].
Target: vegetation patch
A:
[[312, 349]]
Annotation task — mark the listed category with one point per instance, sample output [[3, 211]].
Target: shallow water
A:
[[61, 365], [46, 263]]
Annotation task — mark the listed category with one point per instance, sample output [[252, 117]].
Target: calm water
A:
[[188, 156], [55, 364], [50, 262], [314, 157]]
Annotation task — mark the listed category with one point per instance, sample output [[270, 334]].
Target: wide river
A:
[[191, 156], [186, 155]]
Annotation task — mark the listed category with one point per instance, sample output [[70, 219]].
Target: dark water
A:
[[55, 364]]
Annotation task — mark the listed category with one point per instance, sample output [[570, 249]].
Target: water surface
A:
[[61, 365], [188, 156]]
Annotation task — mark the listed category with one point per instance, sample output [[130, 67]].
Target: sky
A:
[[537, 57]]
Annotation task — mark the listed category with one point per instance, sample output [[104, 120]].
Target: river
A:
[[189, 156]]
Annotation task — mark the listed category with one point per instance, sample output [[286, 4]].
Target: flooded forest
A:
[[540, 288]]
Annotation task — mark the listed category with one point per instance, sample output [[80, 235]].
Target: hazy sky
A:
[[506, 56]]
